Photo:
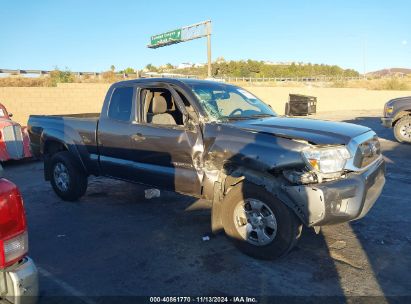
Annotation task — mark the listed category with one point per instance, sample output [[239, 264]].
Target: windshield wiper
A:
[[254, 116], [237, 117], [261, 115]]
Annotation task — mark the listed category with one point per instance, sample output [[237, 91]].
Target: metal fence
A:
[[167, 75], [226, 79], [42, 72], [123, 75], [292, 79]]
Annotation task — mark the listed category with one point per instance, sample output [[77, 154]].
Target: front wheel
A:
[[67, 180], [402, 130], [259, 224]]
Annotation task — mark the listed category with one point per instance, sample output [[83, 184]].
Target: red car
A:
[[14, 139], [18, 274]]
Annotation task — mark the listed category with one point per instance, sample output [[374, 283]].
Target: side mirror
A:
[[10, 115]]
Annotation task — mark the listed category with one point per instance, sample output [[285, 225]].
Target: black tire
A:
[[288, 225], [402, 130], [77, 180]]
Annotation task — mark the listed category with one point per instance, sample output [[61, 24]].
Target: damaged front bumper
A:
[[339, 201], [387, 122]]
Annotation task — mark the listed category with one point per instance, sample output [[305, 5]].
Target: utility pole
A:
[[209, 73], [364, 58]]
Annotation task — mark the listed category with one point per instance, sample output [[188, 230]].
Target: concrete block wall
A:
[[63, 99], [88, 98], [329, 99]]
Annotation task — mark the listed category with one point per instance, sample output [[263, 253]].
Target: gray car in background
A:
[[397, 115]]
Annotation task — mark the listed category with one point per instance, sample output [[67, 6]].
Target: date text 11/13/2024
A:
[[205, 299]]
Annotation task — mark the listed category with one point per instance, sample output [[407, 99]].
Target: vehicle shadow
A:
[[383, 234], [20, 162]]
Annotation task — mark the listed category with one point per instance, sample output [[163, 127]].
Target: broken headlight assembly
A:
[[322, 164]]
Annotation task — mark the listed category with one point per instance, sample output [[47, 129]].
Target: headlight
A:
[[326, 160], [389, 110]]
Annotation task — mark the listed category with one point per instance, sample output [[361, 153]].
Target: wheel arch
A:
[[400, 115], [52, 146], [271, 183]]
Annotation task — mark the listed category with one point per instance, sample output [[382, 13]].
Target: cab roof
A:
[[186, 81]]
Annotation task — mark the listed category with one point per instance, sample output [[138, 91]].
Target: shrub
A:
[[109, 76], [394, 84], [24, 82], [339, 84], [58, 76]]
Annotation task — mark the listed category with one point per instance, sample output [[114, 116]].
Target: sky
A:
[[93, 35]]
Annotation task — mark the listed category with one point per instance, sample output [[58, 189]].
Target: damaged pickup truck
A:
[[265, 175]]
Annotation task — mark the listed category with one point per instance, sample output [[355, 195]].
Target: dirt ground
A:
[[114, 242]]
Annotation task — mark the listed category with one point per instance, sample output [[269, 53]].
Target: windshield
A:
[[226, 102]]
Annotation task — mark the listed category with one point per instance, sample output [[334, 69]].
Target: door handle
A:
[[138, 137]]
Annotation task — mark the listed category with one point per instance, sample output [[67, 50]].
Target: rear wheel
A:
[[402, 130], [67, 180], [259, 224]]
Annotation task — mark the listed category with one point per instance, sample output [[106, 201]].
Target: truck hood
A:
[[317, 132], [400, 102]]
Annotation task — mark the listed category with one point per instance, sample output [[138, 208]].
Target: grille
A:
[[14, 141], [367, 152]]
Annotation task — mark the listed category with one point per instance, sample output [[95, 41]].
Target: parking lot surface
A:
[[115, 242]]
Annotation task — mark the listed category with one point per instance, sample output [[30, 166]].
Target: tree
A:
[[151, 68], [254, 68], [112, 68], [129, 71]]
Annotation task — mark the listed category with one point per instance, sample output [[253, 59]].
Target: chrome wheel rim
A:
[[255, 222], [405, 131], [61, 177]]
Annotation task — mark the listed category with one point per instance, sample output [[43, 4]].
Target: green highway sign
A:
[[191, 32], [166, 38]]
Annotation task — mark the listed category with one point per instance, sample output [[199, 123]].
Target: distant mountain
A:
[[390, 72]]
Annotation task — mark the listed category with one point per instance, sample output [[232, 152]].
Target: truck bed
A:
[[72, 129], [78, 115]]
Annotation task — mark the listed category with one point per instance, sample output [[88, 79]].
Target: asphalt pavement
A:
[[114, 242]]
